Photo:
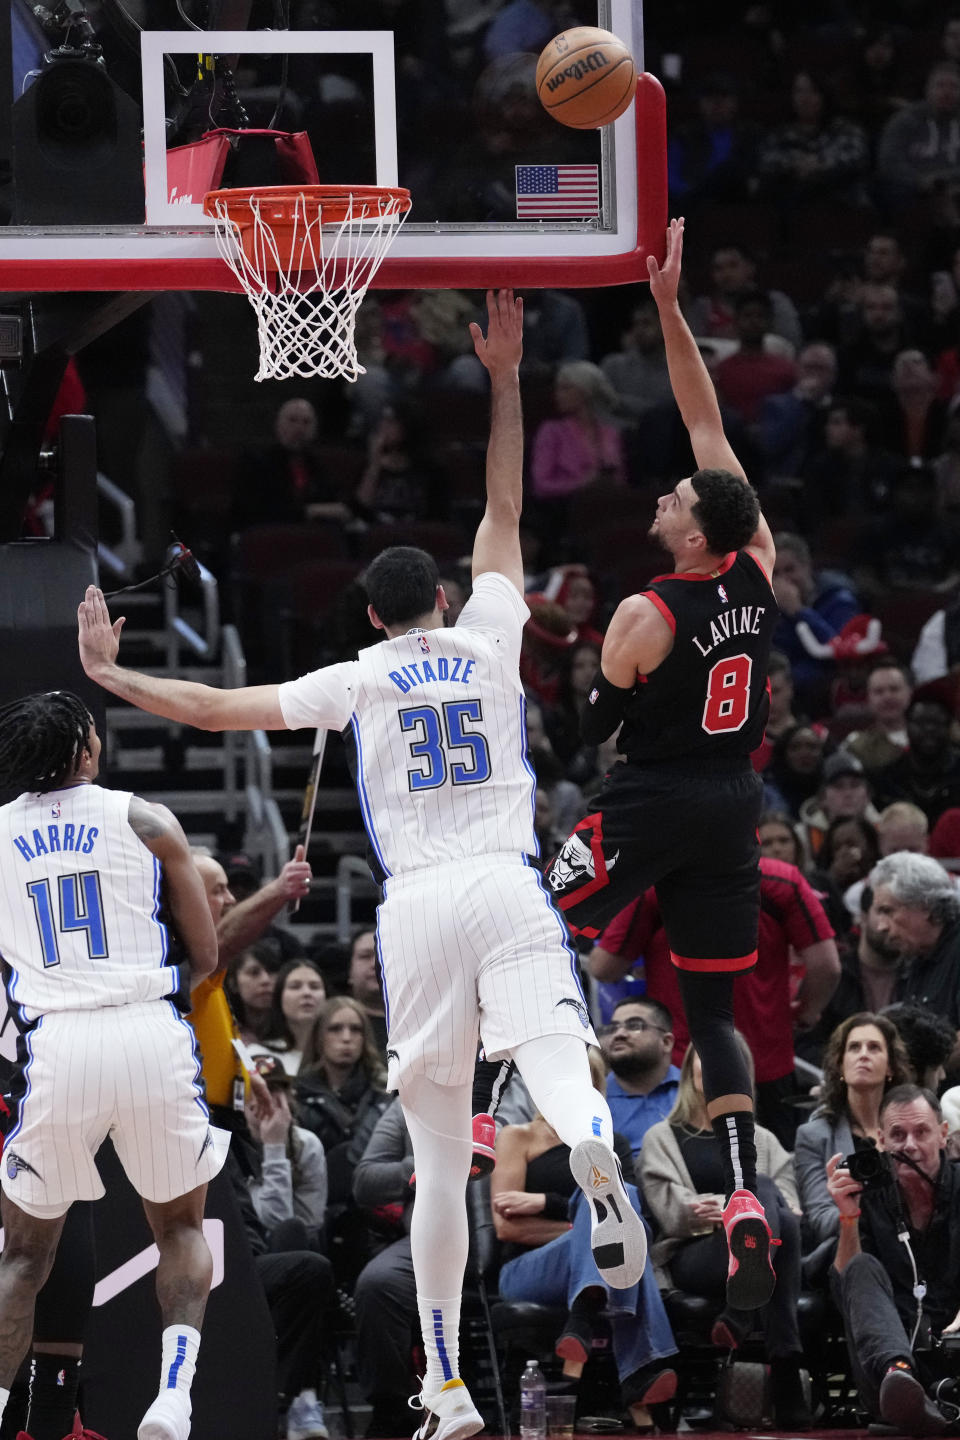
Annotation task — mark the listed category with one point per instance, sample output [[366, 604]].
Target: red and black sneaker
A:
[[750, 1274], [484, 1146]]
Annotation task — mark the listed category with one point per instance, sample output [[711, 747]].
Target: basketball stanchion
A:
[[305, 256]]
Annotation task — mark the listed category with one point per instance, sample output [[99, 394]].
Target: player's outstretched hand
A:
[[665, 279], [503, 346], [99, 638]]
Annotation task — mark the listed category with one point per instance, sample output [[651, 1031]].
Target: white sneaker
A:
[[168, 1417], [617, 1235], [305, 1418], [450, 1414]]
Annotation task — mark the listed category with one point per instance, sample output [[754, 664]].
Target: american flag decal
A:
[[558, 192]]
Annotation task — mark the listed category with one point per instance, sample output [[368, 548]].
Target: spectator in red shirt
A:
[[746, 378], [791, 917]]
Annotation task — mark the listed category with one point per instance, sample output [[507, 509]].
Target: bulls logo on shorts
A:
[[575, 864]]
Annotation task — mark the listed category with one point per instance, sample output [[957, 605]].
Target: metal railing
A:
[[180, 632], [353, 878], [123, 558]]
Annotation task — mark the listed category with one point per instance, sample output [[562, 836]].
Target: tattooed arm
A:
[[162, 833]]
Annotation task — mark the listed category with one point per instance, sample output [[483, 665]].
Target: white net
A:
[[306, 281]]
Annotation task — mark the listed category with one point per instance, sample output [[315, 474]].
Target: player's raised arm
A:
[[254, 707], [497, 542], [692, 386]]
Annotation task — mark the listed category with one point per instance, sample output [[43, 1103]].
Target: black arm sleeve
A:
[[603, 711]]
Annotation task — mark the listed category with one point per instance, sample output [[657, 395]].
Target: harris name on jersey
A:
[[78, 838]]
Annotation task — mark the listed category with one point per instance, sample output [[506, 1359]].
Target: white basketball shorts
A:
[[130, 1072], [473, 948]]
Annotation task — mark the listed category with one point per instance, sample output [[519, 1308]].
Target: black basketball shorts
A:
[[690, 833]]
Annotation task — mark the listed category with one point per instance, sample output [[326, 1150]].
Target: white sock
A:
[[440, 1326], [4, 1397], [556, 1071], [439, 1121], [178, 1360]]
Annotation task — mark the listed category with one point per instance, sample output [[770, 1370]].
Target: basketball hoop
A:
[[305, 255]]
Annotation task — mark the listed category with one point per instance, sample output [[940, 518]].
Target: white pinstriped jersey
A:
[[436, 721], [79, 904]]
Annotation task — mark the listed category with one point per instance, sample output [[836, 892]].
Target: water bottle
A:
[[533, 1403]]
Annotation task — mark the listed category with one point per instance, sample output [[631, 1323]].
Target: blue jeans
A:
[[556, 1273]]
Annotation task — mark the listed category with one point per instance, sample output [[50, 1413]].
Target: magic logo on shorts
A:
[[15, 1163], [583, 1013]]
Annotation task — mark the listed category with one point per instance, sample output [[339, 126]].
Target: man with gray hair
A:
[[919, 906]]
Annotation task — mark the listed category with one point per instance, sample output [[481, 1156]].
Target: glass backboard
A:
[[122, 115]]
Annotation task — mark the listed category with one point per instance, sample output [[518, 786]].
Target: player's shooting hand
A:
[[665, 278], [500, 352], [99, 638], [294, 879], [844, 1189], [512, 1203]]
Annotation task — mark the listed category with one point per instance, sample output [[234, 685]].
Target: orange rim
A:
[[278, 203]]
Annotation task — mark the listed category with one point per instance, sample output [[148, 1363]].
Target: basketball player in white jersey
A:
[[104, 1048], [467, 935]]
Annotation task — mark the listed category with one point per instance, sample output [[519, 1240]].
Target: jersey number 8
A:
[[728, 695], [432, 741]]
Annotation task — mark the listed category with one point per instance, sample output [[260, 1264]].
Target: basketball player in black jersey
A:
[[684, 669]]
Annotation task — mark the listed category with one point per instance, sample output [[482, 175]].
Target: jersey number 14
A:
[[80, 907]]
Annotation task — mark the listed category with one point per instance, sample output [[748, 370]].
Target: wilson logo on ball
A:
[[596, 61]]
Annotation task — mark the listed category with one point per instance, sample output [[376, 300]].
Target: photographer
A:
[[896, 1275]]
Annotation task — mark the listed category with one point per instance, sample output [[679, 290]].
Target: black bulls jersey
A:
[[708, 699]]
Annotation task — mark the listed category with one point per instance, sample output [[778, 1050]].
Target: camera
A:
[[870, 1168]]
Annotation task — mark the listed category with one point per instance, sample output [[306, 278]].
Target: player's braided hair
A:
[[41, 740], [727, 510]]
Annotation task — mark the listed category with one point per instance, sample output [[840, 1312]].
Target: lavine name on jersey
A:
[[79, 838], [741, 620], [421, 672]]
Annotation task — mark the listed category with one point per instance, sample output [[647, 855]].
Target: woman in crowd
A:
[[341, 1097], [286, 1178], [401, 483], [795, 769], [551, 1261], [779, 840], [577, 448], [563, 719], [249, 984], [299, 994], [682, 1180], [814, 155], [863, 1058], [289, 1192], [850, 849]]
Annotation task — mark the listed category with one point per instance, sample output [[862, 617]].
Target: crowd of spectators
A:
[[816, 157]]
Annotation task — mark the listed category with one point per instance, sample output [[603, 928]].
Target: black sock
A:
[[738, 1150], [53, 1396], [490, 1079]]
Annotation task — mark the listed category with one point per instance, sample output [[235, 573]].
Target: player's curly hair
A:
[[401, 584], [42, 738], [726, 510]]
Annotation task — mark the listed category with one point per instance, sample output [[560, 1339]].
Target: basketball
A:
[[586, 77]]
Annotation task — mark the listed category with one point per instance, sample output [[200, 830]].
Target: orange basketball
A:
[[586, 77]]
